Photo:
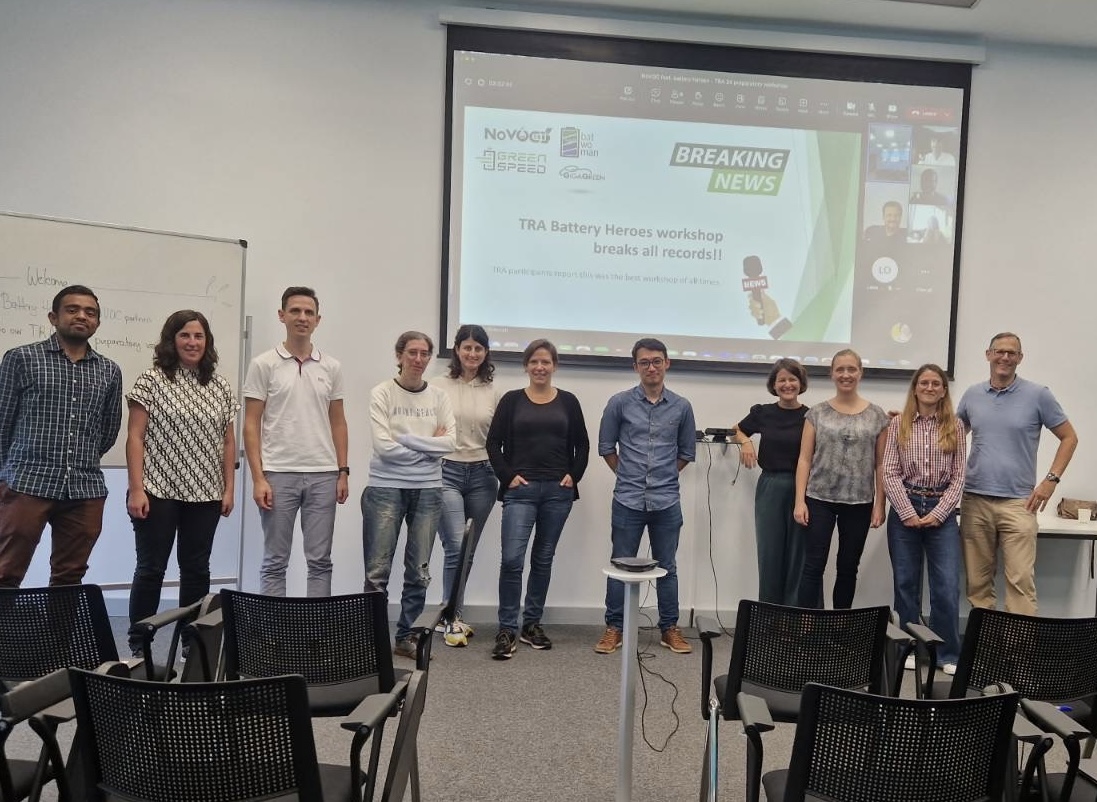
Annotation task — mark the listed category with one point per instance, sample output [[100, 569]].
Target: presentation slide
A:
[[739, 218]]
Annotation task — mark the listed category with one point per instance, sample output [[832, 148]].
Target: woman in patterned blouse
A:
[[924, 461], [180, 457]]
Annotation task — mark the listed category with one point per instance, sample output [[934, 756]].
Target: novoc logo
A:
[[522, 135]]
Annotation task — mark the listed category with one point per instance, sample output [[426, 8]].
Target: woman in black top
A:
[[538, 447], [781, 425]]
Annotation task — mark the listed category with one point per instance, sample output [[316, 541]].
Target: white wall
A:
[[313, 129]]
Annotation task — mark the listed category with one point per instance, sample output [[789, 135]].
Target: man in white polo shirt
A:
[[295, 438]]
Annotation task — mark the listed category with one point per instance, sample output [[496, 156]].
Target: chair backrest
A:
[[196, 742], [784, 648], [333, 640], [1043, 659], [858, 747], [464, 564], [44, 629], [404, 759]]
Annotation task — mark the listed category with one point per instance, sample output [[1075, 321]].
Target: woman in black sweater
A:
[[538, 447]]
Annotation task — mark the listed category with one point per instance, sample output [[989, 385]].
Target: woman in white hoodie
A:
[[413, 428]]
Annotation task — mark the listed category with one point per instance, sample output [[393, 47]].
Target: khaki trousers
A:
[[988, 524]]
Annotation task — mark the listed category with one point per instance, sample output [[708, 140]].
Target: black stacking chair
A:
[[778, 650], [196, 742], [339, 644], [180, 620], [205, 635], [427, 623], [409, 697], [44, 629], [1045, 660], [857, 747], [24, 778], [1037, 782]]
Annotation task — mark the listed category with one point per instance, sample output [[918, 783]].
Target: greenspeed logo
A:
[[735, 170]]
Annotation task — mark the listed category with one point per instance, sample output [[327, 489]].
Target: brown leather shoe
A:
[[673, 640], [610, 641]]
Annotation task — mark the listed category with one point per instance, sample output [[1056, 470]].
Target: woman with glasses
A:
[[839, 481], [468, 482], [781, 427], [413, 428], [538, 446], [924, 463]]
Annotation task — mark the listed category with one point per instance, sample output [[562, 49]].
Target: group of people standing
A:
[[443, 451], [835, 464], [446, 450]]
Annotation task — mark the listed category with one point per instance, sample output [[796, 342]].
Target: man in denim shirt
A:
[[647, 436]]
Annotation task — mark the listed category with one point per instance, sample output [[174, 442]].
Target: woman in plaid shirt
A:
[[924, 461]]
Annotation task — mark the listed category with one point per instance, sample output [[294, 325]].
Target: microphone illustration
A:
[[754, 282]]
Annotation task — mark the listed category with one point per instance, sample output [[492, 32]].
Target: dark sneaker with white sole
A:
[[505, 645], [535, 636]]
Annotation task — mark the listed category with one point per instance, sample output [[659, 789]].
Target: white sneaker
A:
[[455, 636], [910, 664], [949, 668], [464, 626]]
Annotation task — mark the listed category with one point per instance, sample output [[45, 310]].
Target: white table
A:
[[1051, 526], [629, 666]]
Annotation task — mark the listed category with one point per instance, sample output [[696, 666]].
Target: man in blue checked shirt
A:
[[647, 436], [60, 411]]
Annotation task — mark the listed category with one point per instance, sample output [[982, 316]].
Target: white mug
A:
[[1084, 513]]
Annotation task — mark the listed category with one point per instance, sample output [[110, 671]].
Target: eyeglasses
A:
[[1005, 353], [644, 364]]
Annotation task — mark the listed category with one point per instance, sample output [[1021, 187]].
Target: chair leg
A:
[[710, 761], [415, 772], [754, 765], [374, 762]]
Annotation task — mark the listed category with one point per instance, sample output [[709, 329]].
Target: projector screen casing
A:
[[567, 262]]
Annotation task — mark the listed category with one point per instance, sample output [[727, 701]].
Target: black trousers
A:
[[853, 523], [195, 523]]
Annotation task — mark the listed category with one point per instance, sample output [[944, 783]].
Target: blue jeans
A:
[[468, 491], [939, 548], [384, 509], [544, 505], [627, 526]]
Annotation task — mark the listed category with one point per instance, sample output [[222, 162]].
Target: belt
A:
[[926, 492]]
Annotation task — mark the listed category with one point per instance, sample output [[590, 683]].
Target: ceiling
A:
[[1046, 22]]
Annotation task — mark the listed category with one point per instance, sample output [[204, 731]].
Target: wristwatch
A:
[[346, 470], [1051, 477]]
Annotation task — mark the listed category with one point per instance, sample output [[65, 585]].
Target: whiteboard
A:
[[140, 276]]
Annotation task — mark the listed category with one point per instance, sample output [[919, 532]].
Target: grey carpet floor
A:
[[543, 725]]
